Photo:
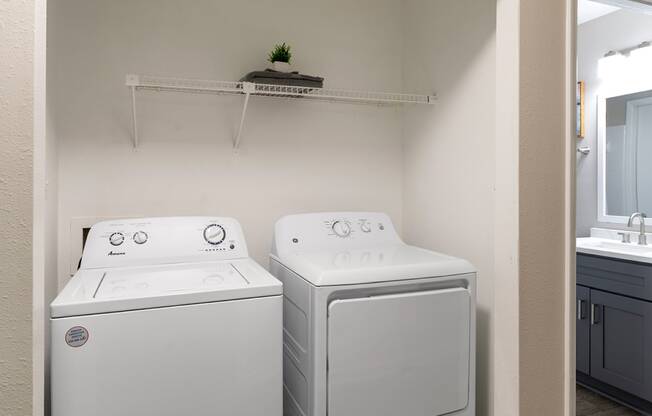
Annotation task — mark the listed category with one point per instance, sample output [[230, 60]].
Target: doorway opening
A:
[[613, 199]]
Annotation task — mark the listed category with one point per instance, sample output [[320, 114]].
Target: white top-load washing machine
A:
[[167, 317], [372, 326]]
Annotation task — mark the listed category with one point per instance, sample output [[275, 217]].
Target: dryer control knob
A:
[[342, 229], [140, 237], [214, 234], [116, 239], [365, 227]]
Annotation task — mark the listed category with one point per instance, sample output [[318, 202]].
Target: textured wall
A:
[[16, 51], [543, 144], [533, 222]]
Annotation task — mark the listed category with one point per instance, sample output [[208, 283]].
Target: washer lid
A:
[[373, 264], [122, 284], [123, 289]]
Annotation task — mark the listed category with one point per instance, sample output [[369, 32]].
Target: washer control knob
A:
[[342, 229], [214, 234], [116, 239], [140, 237], [365, 227]]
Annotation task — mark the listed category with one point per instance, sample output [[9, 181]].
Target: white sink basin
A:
[[613, 248]]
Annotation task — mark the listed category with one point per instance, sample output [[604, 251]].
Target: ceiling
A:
[[588, 10]]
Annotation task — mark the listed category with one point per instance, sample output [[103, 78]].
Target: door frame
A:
[[570, 209]]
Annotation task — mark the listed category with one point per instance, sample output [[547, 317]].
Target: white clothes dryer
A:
[[372, 326], [167, 317]]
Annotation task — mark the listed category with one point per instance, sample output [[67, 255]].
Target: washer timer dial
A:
[[214, 234], [116, 239], [341, 229]]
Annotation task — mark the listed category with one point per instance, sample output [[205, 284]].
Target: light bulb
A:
[[612, 67], [640, 61]]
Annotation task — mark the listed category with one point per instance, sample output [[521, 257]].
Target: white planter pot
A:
[[282, 66]]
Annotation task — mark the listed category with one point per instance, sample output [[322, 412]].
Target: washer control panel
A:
[[150, 241], [350, 226], [308, 232]]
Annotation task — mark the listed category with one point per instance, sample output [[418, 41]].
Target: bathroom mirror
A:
[[625, 155]]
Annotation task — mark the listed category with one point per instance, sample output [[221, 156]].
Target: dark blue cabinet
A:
[[614, 328], [621, 342]]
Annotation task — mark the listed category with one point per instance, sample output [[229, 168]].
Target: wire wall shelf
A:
[[248, 89]]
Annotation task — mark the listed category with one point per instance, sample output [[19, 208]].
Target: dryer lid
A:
[[396, 262], [344, 248]]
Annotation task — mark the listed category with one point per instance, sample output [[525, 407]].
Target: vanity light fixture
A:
[[642, 59], [628, 51], [628, 63]]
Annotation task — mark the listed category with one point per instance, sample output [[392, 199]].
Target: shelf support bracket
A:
[[248, 88], [132, 82]]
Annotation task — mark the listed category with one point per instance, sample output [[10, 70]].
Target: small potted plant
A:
[[280, 57]]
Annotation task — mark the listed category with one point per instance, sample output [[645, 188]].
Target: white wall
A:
[[51, 219], [45, 217], [449, 153], [619, 30], [16, 196], [505, 313], [295, 156]]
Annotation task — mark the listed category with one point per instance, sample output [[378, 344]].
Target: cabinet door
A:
[[621, 342], [583, 328]]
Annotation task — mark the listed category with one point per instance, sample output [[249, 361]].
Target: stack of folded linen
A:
[[295, 79]]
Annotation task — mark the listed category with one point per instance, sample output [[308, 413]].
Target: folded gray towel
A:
[[269, 76]]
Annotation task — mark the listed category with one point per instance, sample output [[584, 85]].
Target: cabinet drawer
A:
[[619, 276]]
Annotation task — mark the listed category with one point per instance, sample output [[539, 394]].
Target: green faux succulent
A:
[[280, 53]]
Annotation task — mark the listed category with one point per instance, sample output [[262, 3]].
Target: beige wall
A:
[[542, 195], [449, 153], [535, 77], [16, 84]]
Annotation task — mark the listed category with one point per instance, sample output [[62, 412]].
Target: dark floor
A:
[[592, 404]]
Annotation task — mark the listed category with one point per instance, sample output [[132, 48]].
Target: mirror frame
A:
[[602, 146]]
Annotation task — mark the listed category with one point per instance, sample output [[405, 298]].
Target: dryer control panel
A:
[[151, 241], [333, 230]]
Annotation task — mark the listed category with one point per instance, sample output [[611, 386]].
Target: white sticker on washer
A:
[[76, 336]]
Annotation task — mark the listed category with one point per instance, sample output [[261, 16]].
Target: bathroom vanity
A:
[[614, 318]]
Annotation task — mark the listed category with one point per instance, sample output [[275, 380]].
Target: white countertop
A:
[[607, 243]]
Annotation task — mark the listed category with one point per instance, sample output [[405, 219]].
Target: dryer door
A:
[[404, 354]]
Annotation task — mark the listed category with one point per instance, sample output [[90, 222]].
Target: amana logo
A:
[[116, 253]]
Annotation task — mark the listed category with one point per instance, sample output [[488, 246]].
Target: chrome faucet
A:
[[642, 238]]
